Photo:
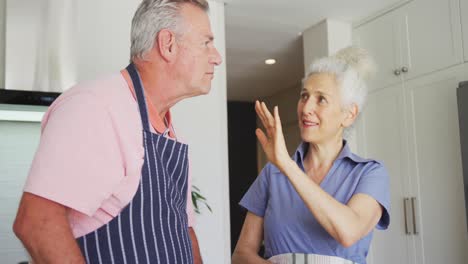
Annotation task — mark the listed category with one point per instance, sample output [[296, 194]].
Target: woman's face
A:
[[319, 110]]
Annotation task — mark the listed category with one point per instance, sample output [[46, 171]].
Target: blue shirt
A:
[[290, 227]]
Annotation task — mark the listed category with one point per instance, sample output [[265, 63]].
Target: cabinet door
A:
[[381, 135], [436, 174], [464, 19], [380, 38], [431, 36]]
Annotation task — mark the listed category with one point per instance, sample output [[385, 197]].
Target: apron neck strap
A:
[[140, 95]]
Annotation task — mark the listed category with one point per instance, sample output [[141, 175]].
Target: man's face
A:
[[197, 55]]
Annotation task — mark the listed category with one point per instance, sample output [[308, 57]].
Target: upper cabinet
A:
[[464, 17], [381, 37], [432, 36], [420, 37]]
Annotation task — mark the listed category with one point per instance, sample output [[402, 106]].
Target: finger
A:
[[268, 115], [260, 114], [277, 117], [258, 110], [261, 138]]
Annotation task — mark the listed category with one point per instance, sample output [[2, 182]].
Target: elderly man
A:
[[109, 182]]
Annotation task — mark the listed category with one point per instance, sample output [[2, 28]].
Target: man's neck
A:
[[161, 88]]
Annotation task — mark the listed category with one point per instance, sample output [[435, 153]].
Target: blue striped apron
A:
[[153, 227]]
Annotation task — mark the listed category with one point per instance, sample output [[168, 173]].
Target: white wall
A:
[[339, 35], [82, 40], [21, 43], [203, 123], [2, 43], [464, 17], [315, 43], [324, 39], [104, 40], [40, 39]]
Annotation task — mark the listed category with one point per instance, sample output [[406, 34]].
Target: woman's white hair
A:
[[351, 67], [151, 17]]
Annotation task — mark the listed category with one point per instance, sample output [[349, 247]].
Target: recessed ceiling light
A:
[[270, 61]]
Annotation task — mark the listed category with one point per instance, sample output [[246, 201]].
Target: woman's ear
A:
[[166, 44], [351, 114]]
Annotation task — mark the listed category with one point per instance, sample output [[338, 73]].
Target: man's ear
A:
[[166, 44], [351, 114]]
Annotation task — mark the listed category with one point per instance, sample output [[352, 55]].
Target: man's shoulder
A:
[[106, 94], [104, 90]]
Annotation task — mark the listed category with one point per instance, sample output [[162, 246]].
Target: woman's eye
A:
[[304, 96], [322, 100]]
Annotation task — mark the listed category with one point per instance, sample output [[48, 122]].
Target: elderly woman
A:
[[322, 204]]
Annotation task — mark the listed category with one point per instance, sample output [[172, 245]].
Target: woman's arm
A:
[[346, 223], [250, 239]]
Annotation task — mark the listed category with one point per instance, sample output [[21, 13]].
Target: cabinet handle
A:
[[413, 200], [397, 72], [405, 201], [404, 69]]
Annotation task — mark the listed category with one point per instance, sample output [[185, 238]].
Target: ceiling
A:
[[260, 29]]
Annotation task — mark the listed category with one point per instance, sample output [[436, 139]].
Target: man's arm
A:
[[42, 225], [195, 249]]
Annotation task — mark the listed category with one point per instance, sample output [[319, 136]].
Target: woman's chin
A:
[[307, 137]]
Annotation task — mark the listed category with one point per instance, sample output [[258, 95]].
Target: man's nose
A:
[[216, 57]]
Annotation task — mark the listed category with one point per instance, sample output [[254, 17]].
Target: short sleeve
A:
[[375, 183], [78, 161], [256, 198]]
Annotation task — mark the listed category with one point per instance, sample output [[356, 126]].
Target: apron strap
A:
[[140, 94]]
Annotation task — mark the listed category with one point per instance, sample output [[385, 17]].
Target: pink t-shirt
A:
[[90, 154]]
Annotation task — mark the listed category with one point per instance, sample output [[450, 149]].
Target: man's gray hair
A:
[[151, 17]]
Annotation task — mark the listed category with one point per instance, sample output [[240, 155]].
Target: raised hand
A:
[[272, 142]]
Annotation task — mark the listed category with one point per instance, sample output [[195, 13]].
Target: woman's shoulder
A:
[[359, 159], [269, 172], [370, 164]]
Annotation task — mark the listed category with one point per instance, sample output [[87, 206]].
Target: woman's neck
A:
[[321, 156]]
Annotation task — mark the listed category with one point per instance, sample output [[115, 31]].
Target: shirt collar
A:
[[345, 153]]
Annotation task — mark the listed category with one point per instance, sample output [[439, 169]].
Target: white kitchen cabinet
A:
[[381, 135], [436, 169], [464, 19], [413, 128], [432, 38], [418, 38], [381, 37]]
